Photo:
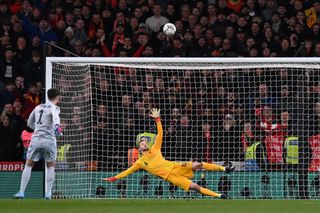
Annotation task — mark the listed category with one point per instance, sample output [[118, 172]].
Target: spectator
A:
[[285, 48], [227, 144], [271, 7], [17, 30], [247, 136], [30, 101], [19, 89], [240, 41], [278, 25], [267, 120], [103, 90], [269, 39], [22, 54], [148, 52], [184, 140], [128, 47], [159, 91], [256, 31], [226, 50], [317, 50], [231, 105], [7, 111], [101, 125], [285, 101], [171, 13], [11, 149], [134, 26], [285, 125], [315, 32], [44, 30], [217, 43], [33, 71], [7, 95], [197, 31], [4, 12], [176, 48], [315, 120], [273, 141], [79, 32], [314, 139], [69, 19], [35, 44], [315, 90], [18, 121], [308, 49], [5, 42], [96, 23], [262, 97], [205, 143], [124, 110], [9, 67], [157, 20], [117, 38], [138, 13], [201, 48]]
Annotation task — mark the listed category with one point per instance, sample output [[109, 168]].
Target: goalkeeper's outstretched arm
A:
[[155, 113], [123, 174]]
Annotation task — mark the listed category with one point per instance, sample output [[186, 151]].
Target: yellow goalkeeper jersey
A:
[[152, 161]]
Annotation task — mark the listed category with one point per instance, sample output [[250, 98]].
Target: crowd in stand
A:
[[128, 28]]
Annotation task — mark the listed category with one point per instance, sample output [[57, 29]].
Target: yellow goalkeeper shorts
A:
[[181, 174]]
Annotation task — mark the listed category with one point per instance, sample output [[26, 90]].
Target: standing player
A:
[[178, 174], [45, 121]]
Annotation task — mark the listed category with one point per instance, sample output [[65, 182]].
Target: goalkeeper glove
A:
[[155, 113], [110, 179], [57, 130]]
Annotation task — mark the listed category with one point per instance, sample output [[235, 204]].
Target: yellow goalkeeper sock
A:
[[208, 192], [212, 167]]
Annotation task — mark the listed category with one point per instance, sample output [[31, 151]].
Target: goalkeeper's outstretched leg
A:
[[211, 167], [206, 191]]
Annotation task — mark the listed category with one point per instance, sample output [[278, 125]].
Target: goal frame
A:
[[166, 60], [99, 60]]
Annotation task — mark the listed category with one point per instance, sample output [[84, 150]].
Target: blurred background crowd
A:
[[220, 110]]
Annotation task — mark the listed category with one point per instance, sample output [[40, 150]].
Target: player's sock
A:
[[50, 180], [208, 192], [212, 167], [25, 178]]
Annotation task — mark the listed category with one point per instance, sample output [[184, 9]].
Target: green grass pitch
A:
[[155, 206]]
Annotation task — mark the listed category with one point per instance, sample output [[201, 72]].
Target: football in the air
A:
[[169, 29]]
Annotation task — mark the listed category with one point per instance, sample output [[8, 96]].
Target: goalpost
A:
[[259, 114]]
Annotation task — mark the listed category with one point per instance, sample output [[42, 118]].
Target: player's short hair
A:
[[53, 93]]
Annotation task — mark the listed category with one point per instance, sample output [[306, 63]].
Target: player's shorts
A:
[[46, 150], [181, 174]]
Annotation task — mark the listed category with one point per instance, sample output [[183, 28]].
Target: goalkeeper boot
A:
[[19, 195], [229, 169], [224, 196]]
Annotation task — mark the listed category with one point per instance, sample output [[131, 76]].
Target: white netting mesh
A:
[[261, 117]]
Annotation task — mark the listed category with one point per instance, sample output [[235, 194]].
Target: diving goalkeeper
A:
[[177, 173]]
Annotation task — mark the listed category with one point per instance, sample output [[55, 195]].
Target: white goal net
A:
[[261, 115]]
